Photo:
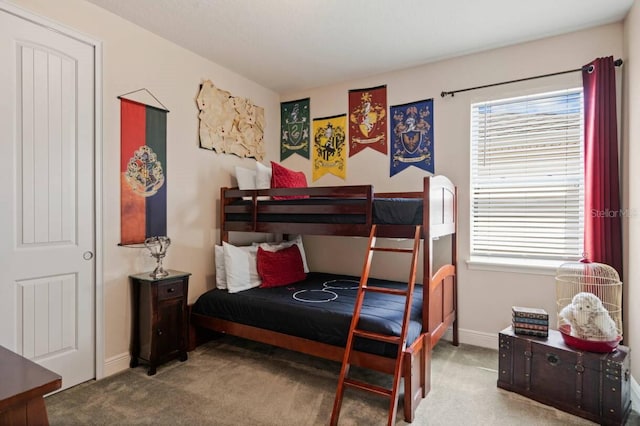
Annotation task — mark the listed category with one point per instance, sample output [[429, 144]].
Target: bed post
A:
[[454, 262], [224, 235], [427, 253], [425, 363], [427, 249]]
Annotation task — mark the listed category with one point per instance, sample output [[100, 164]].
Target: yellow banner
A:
[[329, 146]]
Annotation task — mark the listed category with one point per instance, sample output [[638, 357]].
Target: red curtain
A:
[[603, 223]]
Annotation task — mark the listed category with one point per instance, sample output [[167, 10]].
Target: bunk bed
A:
[[344, 211]]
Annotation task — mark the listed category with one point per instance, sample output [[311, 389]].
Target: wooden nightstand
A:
[[160, 323]]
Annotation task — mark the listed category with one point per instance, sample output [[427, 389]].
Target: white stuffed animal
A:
[[588, 318]]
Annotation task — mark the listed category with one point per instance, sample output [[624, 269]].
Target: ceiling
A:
[[289, 45]]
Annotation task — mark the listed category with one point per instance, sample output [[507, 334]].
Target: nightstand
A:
[[160, 324]]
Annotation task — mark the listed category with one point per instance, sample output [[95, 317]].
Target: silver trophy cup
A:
[[158, 246]]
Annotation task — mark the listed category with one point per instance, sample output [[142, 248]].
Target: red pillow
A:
[[281, 177], [280, 268]]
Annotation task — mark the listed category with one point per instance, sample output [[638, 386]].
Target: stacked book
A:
[[530, 321]]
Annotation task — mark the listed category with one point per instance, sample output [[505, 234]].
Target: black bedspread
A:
[[319, 308]]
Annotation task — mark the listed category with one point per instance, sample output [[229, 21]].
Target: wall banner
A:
[[412, 136], [329, 146], [368, 119], [143, 172], [294, 128]]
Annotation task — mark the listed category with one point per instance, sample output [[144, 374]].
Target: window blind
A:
[[527, 177]]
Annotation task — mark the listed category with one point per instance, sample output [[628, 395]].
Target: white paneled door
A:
[[47, 279]]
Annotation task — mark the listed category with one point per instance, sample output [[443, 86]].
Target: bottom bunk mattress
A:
[[319, 309]]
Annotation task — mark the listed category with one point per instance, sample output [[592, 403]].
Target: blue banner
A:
[[412, 136]]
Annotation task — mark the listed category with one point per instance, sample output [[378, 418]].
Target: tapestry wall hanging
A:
[[230, 124], [412, 136], [329, 146], [294, 128], [143, 171], [368, 119]]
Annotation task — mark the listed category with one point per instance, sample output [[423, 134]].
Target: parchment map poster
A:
[[230, 124]]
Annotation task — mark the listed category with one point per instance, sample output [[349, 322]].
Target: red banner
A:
[[368, 119]]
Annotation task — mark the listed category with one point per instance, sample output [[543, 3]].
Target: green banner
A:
[[294, 128]]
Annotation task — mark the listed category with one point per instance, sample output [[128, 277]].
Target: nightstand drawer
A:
[[170, 289]]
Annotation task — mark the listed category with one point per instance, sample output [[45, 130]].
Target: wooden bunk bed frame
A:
[[439, 198]]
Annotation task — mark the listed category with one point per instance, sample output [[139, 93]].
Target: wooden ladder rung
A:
[[386, 290], [368, 387], [392, 249], [377, 336]]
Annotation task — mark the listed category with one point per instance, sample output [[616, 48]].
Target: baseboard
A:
[[475, 338], [116, 364]]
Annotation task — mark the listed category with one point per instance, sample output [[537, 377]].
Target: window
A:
[[527, 177]]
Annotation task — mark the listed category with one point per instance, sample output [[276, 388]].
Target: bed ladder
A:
[[354, 331]]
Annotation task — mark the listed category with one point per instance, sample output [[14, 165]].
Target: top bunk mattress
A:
[[386, 211], [319, 309]]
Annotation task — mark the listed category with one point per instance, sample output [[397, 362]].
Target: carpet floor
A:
[[232, 381]]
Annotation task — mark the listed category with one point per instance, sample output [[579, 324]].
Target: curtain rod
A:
[[617, 63]]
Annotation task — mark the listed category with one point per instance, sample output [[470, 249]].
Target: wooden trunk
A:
[[587, 384]]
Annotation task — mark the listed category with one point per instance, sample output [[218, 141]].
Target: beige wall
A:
[[132, 59], [631, 154], [485, 296]]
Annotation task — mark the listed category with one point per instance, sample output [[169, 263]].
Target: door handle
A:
[[87, 255]]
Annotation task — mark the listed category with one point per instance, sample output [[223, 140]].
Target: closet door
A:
[[47, 265]]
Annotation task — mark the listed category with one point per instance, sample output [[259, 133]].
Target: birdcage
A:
[[589, 305]]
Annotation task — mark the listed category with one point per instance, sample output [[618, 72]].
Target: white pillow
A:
[[241, 267], [263, 176], [284, 244], [246, 179], [221, 273]]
